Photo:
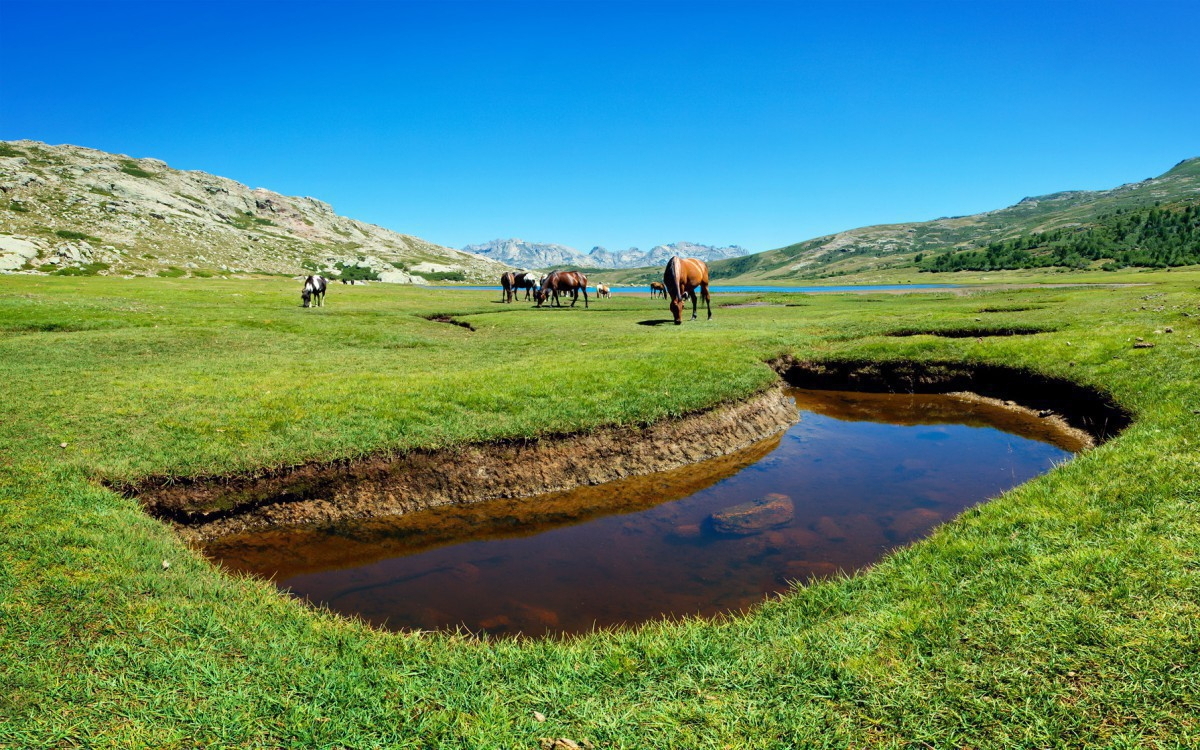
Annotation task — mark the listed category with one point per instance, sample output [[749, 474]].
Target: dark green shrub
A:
[[131, 168]]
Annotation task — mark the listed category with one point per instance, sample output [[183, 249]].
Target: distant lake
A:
[[644, 288]]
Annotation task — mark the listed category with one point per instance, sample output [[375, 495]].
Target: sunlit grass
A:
[[1062, 614]]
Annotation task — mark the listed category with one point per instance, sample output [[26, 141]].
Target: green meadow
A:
[[1064, 613]]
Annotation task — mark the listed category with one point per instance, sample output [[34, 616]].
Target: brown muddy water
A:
[[858, 475]]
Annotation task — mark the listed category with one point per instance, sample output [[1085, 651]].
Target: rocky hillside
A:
[[899, 245], [524, 254], [66, 209]]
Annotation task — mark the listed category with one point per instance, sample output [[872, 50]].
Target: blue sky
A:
[[620, 123]]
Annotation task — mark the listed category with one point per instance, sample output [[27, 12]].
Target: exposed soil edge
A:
[[1091, 413], [210, 507], [213, 507], [971, 333]]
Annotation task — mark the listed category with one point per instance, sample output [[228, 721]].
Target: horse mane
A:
[[675, 287]]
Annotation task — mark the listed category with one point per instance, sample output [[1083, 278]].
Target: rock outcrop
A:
[[66, 208]]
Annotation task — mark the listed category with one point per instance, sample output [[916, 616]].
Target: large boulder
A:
[[755, 516], [14, 252]]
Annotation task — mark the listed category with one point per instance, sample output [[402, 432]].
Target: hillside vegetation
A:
[[76, 211], [1160, 237], [896, 246]]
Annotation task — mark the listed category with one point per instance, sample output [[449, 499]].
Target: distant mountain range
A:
[[522, 254]]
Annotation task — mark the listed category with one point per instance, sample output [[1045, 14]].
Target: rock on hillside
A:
[[77, 210]]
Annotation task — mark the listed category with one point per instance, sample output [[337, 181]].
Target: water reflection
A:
[[862, 473]]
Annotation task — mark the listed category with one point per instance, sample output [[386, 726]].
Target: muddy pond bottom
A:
[[858, 475]]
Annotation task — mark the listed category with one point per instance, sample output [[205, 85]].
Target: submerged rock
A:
[[755, 516], [830, 529], [916, 521]]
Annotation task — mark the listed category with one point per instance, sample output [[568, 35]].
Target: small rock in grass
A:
[[539, 717], [166, 565], [1143, 345], [562, 743], [1168, 329], [62, 445]]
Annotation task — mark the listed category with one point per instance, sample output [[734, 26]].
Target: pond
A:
[[859, 474]]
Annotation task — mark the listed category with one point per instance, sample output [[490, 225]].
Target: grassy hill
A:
[[76, 211], [897, 245], [1041, 225]]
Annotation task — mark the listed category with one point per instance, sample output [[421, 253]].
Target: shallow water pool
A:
[[858, 475]]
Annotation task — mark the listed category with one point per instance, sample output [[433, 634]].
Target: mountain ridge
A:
[[882, 246], [541, 255], [76, 210]]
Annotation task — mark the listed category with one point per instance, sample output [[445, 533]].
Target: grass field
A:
[[1065, 613]]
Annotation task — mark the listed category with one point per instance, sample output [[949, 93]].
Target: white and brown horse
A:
[[526, 280], [681, 277], [314, 290], [602, 290], [563, 282]]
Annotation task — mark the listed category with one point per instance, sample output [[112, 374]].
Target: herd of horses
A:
[[681, 278]]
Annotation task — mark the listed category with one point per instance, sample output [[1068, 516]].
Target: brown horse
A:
[[655, 288], [681, 277], [508, 281], [564, 282]]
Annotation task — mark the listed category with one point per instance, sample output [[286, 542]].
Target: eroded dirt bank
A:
[[213, 507], [207, 508], [1091, 415]]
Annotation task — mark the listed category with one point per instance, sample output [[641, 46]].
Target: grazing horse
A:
[[314, 289], [508, 281], [655, 288], [681, 277], [602, 290], [526, 280], [563, 281]]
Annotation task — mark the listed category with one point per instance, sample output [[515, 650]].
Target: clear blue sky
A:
[[620, 123]]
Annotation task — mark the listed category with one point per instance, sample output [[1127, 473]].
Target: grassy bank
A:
[[1064, 613]]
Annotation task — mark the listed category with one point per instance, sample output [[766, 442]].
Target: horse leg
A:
[[693, 296], [585, 299], [707, 299]]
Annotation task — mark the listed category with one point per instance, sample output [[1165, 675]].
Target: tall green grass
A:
[[1062, 614]]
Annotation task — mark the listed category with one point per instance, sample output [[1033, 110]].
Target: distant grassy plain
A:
[[1065, 613]]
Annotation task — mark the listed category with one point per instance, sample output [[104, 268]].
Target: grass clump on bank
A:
[[1061, 614]]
